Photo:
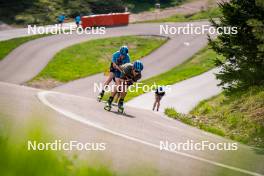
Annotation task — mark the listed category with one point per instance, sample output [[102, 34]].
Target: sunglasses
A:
[[137, 71]]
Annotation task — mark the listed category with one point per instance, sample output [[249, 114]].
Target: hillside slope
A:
[[239, 116]]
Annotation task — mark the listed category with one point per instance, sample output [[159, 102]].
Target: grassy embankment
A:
[[9, 45], [88, 58], [17, 159], [238, 116]]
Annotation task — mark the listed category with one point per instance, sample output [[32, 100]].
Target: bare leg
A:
[[124, 90], [117, 81], [117, 97], [116, 90], [107, 82], [117, 87], [111, 98], [155, 102], [109, 79], [158, 105], [158, 102], [154, 105]]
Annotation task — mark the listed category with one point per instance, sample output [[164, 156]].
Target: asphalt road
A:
[[29, 59], [132, 140], [23, 32], [182, 96]]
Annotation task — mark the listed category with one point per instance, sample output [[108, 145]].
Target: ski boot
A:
[[100, 96], [108, 104], [121, 107]]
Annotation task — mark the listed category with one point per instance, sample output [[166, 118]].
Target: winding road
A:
[[132, 140]]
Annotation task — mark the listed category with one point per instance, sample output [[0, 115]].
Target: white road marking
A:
[[76, 117]]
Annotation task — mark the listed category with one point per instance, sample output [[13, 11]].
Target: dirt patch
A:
[[44, 83], [258, 115]]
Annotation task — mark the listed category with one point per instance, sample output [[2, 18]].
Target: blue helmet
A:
[[124, 50], [138, 66]]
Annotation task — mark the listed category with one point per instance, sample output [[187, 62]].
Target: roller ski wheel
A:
[[99, 98], [121, 110], [107, 107]]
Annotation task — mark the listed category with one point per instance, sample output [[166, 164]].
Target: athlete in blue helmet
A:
[[78, 20], [130, 73], [159, 93], [61, 19], [119, 58]]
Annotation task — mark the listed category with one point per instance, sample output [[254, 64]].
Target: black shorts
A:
[[161, 94], [112, 69], [116, 72]]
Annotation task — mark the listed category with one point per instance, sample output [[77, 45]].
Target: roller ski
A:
[[108, 106], [100, 96], [120, 107], [121, 110]]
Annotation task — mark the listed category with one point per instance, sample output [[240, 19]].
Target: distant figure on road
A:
[[78, 20], [159, 93], [61, 19]]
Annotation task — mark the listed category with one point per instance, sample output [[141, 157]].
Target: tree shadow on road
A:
[[259, 151]]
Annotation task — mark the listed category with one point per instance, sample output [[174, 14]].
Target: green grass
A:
[[199, 63], [9, 45], [238, 116], [170, 112], [88, 58], [16, 159], [193, 121], [207, 14]]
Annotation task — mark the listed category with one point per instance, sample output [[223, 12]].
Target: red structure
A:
[[112, 19]]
